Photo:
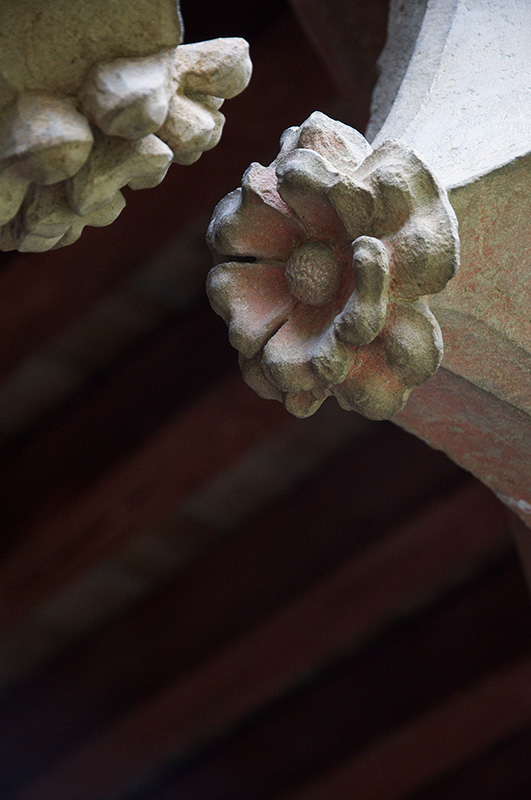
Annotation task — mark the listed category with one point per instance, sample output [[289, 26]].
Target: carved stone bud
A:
[[203, 74], [325, 260], [128, 97], [103, 122], [44, 138], [141, 163]]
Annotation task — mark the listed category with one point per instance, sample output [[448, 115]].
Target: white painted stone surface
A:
[[464, 104]]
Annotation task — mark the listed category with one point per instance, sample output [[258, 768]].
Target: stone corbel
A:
[[327, 258], [95, 96]]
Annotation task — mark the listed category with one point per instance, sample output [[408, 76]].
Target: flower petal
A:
[[253, 375], [7, 236], [253, 299], [304, 179], [342, 146], [288, 355], [394, 201], [372, 387], [401, 183], [425, 253], [364, 314], [44, 218], [288, 142], [44, 138], [412, 343], [254, 221], [128, 97], [190, 128], [98, 218], [219, 67], [354, 205], [302, 404], [112, 164], [331, 359], [414, 216], [12, 192]]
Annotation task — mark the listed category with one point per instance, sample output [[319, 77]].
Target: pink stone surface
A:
[[481, 433]]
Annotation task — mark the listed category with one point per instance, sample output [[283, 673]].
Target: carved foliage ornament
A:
[[63, 160], [325, 260]]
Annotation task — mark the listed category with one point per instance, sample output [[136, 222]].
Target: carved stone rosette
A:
[[76, 125], [325, 261]]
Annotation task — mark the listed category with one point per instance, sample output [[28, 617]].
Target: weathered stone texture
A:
[[327, 257], [100, 95]]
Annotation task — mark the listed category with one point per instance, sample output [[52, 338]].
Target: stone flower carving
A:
[[63, 160], [325, 260]]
